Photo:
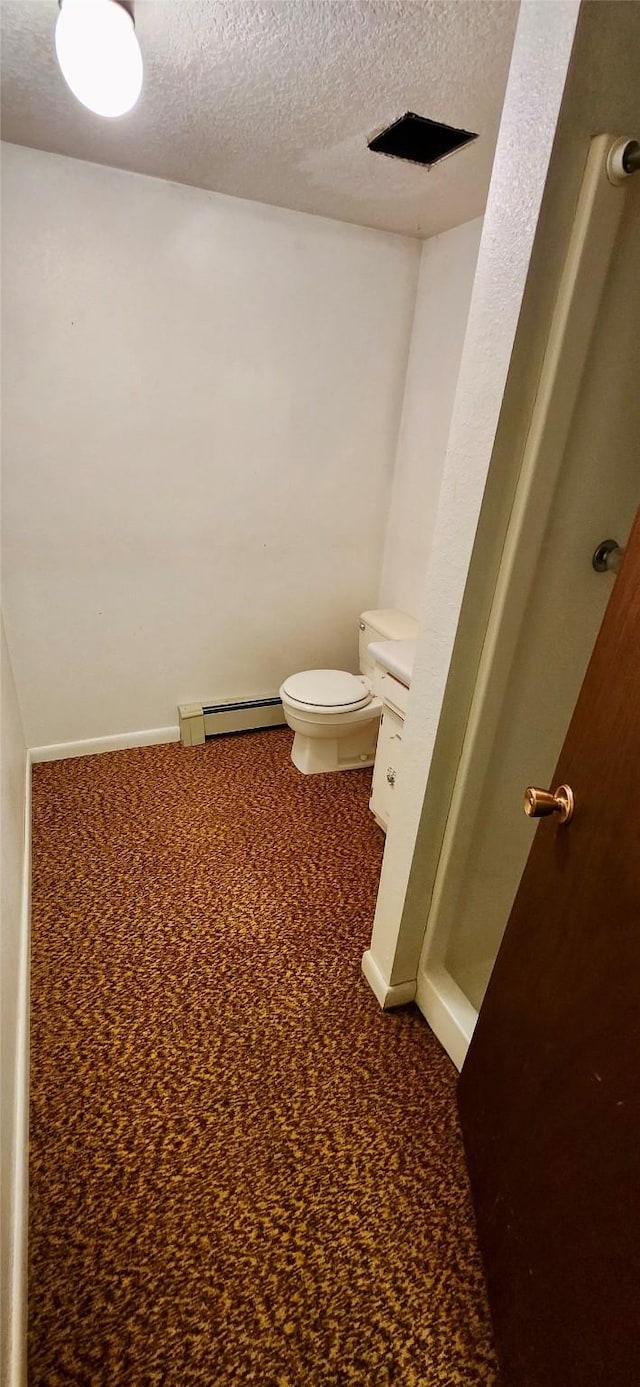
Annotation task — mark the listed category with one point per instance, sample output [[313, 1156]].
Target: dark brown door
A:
[[549, 1094]]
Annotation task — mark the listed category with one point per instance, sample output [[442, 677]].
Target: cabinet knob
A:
[[391, 775]]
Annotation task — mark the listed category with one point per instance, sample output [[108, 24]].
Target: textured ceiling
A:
[[274, 100]]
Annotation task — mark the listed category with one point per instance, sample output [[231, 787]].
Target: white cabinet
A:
[[387, 765], [396, 656], [389, 751]]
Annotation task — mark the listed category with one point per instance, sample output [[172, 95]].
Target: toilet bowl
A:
[[335, 718], [335, 715]]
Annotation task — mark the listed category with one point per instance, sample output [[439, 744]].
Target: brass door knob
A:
[[539, 803]]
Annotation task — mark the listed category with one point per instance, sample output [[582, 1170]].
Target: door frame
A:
[[590, 249]]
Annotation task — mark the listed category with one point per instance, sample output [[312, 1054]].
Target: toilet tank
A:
[[385, 623]]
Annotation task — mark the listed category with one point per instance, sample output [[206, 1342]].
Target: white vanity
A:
[[393, 667]]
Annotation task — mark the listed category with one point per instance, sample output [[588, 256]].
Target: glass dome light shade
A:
[[99, 55]]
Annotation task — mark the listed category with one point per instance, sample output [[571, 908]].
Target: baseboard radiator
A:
[[199, 720]]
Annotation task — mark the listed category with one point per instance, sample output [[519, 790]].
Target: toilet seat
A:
[[335, 716], [326, 690]]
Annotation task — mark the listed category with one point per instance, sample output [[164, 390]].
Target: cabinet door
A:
[[387, 763]]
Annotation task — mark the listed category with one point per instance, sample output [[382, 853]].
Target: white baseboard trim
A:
[[387, 994], [62, 751], [449, 1013], [17, 1347]]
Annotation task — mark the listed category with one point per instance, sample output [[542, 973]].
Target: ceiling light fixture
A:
[[99, 54]]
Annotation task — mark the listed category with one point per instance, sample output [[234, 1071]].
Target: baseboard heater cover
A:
[[201, 720]]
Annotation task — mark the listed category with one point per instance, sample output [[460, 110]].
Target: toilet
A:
[[335, 715]]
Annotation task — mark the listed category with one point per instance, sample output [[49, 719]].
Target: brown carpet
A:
[[242, 1171]]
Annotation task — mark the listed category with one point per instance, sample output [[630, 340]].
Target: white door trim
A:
[[588, 257]]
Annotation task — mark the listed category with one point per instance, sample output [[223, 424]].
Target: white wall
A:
[[447, 269], [535, 88], [13, 958], [202, 405], [573, 74]]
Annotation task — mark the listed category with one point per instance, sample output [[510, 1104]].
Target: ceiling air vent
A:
[[419, 140]]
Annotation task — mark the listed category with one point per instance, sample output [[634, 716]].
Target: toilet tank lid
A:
[[390, 623]]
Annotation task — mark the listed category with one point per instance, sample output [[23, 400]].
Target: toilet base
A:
[[315, 755]]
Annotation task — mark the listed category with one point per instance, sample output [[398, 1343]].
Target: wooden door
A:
[[549, 1095]]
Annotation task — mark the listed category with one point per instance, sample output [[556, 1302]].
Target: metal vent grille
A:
[[418, 140]]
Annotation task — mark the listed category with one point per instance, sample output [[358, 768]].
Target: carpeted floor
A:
[[242, 1171]]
